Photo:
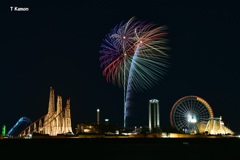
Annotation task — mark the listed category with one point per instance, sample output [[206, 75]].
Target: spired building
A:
[[58, 119]]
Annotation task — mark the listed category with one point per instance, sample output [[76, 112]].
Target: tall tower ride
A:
[[153, 105]]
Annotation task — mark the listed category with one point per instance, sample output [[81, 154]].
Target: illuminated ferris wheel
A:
[[188, 111]]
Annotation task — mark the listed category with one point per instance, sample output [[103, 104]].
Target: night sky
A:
[[56, 44]]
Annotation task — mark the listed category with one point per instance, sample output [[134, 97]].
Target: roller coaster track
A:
[[19, 122], [30, 129]]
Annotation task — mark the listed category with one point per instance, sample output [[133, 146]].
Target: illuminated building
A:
[[86, 128], [216, 126]]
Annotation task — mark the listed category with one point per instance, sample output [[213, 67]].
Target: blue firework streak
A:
[[129, 90]]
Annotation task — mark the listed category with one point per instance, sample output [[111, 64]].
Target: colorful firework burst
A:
[[133, 55]]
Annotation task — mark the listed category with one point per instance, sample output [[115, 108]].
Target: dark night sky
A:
[[57, 44]]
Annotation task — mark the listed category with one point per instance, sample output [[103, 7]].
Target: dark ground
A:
[[123, 148]]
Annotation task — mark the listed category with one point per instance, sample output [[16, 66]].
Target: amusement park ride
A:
[[193, 115], [56, 121], [190, 115]]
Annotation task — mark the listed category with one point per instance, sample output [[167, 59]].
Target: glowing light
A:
[[192, 119]]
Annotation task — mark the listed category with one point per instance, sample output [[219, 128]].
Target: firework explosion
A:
[[133, 56]]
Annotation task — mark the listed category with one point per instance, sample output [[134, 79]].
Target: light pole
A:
[[98, 112]]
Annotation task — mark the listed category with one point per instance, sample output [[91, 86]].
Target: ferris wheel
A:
[[188, 111]]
